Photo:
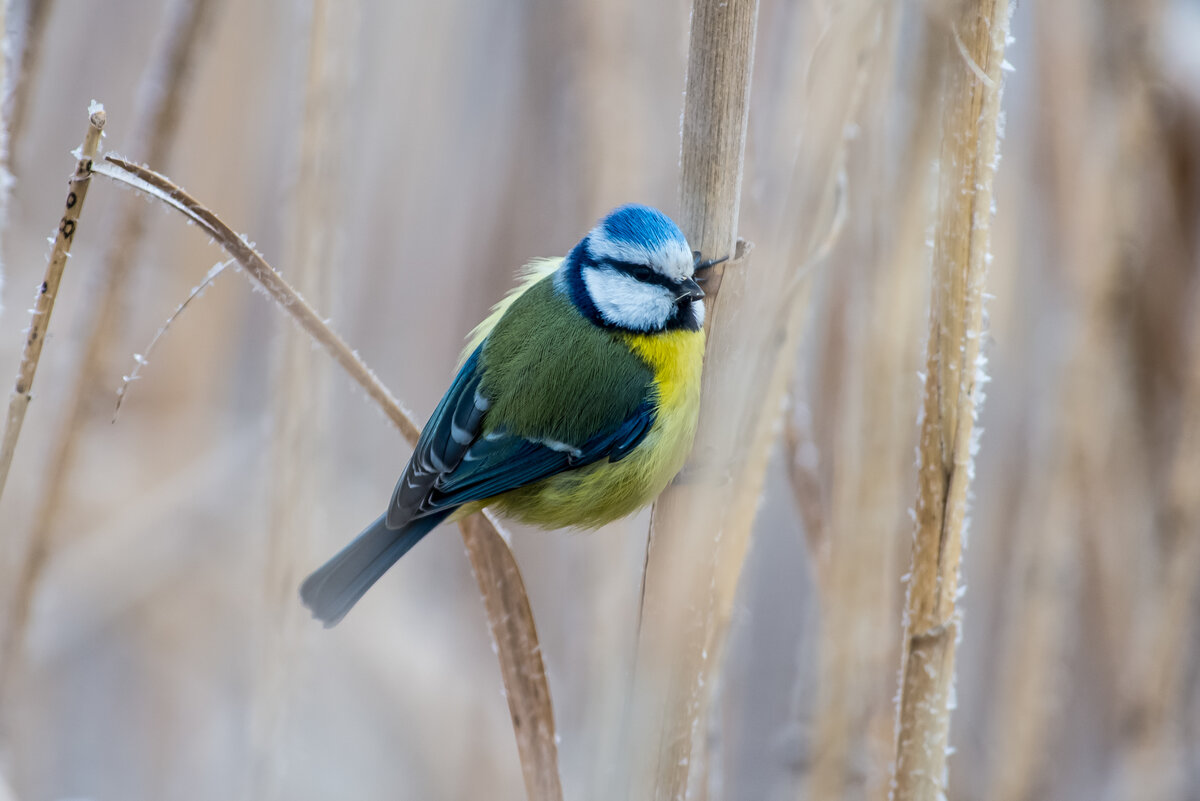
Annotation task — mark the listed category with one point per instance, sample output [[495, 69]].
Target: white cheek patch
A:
[[698, 312], [624, 301]]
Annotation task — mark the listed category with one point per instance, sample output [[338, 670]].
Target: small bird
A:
[[574, 405]]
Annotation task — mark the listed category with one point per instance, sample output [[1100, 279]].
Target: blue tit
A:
[[575, 403]]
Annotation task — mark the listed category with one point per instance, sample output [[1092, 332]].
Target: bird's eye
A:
[[641, 272]]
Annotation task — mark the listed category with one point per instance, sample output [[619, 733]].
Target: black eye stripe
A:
[[644, 274]]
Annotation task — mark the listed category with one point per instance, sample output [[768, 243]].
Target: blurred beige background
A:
[[472, 136]]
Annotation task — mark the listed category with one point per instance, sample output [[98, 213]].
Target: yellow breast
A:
[[676, 358], [605, 491]]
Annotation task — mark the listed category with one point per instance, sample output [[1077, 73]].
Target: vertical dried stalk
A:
[[968, 162], [48, 291], [162, 99], [300, 387], [34, 339], [162, 93], [669, 696], [692, 579], [509, 615]]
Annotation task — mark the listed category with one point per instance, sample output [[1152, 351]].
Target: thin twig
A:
[[142, 359], [34, 339], [509, 613], [242, 251], [48, 291], [953, 381], [161, 99]]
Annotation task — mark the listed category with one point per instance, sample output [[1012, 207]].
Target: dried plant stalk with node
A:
[[162, 97], [162, 94], [954, 375], [47, 292], [35, 338]]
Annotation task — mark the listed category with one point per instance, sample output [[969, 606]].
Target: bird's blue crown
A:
[[641, 226]]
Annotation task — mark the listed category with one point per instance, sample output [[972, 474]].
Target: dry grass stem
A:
[[162, 92], [669, 697], [161, 102], [243, 252], [142, 359], [690, 589], [35, 337], [968, 162], [43, 305], [509, 615]]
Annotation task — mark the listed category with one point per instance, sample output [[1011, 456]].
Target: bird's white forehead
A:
[[671, 258]]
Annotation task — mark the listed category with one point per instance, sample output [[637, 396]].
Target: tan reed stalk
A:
[[969, 150], [300, 388], [162, 94], [701, 525], [48, 291], [35, 337], [509, 615], [668, 695], [26, 77]]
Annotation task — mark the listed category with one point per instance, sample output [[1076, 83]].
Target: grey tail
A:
[[337, 585]]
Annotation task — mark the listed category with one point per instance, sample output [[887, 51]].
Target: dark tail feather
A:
[[337, 585]]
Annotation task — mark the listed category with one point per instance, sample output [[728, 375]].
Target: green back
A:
[[552, 374]]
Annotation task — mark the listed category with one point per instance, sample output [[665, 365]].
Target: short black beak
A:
[[691, 290]]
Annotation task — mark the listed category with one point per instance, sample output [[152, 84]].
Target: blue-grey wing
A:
[[500, 461], [454, 463], [455, 425]]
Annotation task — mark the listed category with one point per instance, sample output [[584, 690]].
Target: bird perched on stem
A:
[[575, 403]]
